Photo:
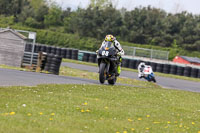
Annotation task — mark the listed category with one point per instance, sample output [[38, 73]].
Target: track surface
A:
[[162, 81], [10, 77]]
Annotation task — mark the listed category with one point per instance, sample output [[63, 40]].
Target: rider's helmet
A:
[[142, 65], [109, 38]]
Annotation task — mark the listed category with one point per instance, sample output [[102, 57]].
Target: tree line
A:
[[143, 25]]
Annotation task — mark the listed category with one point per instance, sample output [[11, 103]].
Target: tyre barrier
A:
[[43, 48], [159, 67], [28, 48], [166, 68], [125, 62], [194, 72], [180, 70], [187, 71], [63, 52], [132, 64], [53, 50], [153, 65], [86, 57], [173, 69], [53, 63], [92, 58], [69, 53], [138, 62], [58, 51], [48, 49], [198, 75], [74, 54]]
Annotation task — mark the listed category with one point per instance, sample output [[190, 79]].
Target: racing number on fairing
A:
[[105, 53]]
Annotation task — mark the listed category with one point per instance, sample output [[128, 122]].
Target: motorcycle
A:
[[148, 74], [107, 62]]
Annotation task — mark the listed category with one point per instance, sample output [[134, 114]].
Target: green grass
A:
[[98, 109], [140, 108], [134, 70]]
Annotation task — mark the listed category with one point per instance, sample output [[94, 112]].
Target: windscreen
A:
[[108, 44]]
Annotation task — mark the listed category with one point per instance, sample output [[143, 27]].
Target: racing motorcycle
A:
[[107, 62], [147, 73]]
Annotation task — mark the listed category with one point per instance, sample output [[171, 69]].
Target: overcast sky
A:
[[173, 6]]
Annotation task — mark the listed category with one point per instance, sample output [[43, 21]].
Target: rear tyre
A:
[[102, 73], [154, 80], [112, 81]]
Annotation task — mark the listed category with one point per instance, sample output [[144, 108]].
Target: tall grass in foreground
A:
[[98, 109]]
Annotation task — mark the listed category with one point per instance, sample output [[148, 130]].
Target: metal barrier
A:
[[27, 59], [148, 53]]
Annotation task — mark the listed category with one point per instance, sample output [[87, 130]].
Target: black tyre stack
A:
[[48, 49], [63, 52], [86, 57], [53, 50], [58, 51], [69, 53], [43, 48], [159, 68], [92, 58], [132, 64], [180, 70], [125, 62], [166, 68], [173, 69], [138, 62], [187, 71], [74, 54], [153, 65], [194, 72], [53, 63], [198, 75], [28, 47]]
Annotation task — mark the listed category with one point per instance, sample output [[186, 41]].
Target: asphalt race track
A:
[[165, 82], [10, 77]]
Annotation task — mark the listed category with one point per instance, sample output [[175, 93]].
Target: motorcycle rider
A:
[[141, 67], [120, 51]]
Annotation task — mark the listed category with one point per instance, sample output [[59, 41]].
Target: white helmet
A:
[[142, 64]]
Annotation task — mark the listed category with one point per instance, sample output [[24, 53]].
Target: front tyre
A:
[[102, 73], [112, 81]]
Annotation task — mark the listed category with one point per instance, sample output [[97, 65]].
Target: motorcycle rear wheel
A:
[[154, 80], [102, 73]]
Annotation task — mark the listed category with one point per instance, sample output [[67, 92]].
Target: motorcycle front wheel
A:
[[112, 81], [102, 73]]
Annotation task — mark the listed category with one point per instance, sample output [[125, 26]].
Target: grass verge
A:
[[97, 109]]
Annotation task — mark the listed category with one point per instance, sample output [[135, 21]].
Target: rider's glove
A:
[[118, 54], [97, 51]]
